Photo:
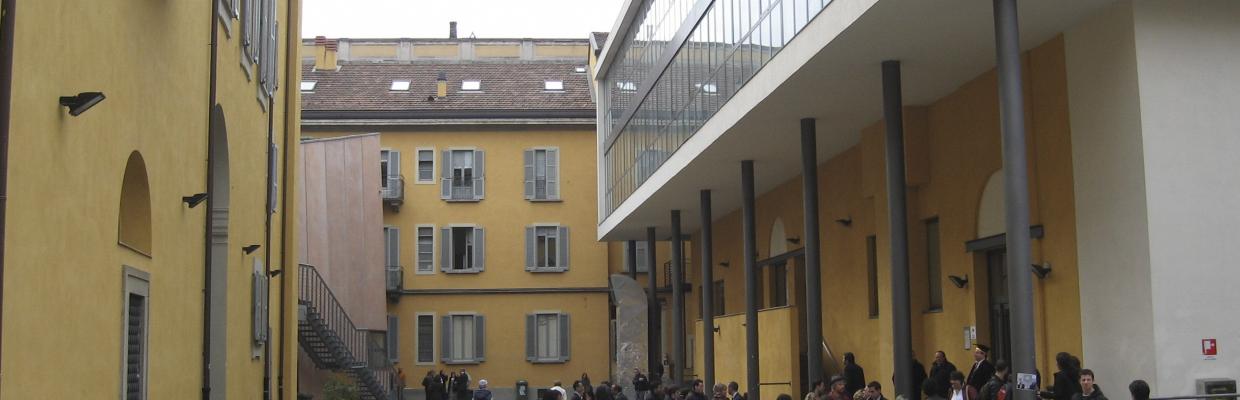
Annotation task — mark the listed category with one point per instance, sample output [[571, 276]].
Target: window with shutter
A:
[[463, 179], [391, 237], [425, 249], [542, 174], [393, 338], [258, 311], [464, 249], [384, 165], [465, 343], [547, 338], [546, 248], [426, 166], [425, 339], [136, 321], [272, 160]]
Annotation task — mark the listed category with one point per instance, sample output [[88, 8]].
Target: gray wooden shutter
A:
[[480, 335], [480, 174], [553, 174], [480, 250], [272, 173], [565, 338], [529, 174], [393, 245], [393, 178], [445, 249], [531, 248], [445, 339], [531, 337], [562, 248], [393, 338], [445, 190]]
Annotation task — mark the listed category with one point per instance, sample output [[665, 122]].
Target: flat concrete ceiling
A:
[[941, 44]]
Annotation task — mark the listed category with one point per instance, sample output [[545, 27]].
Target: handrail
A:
[[316, 293]]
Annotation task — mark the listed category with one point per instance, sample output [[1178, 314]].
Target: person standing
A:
[[1089, 390], [928, 388], [838, 389], [734, 391], [461, 386], [959, 390], [444, 387], [699, 390], [874, 391], [998, 387], [719, 392], [854, 375], [817, 391], [428, 383], [482, 393], [919, 376], [1067, 379], [617, 392], [982, 370], [559, 387], [941, 372], [1139, 390], [641, 384]]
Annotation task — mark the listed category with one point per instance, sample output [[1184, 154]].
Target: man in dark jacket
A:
[[460, 386], [941, 373], [854, 375], [998, 387], [982, 370], [1089, 391], [482, 393], [641, 384], [919, 376], [699, 390]]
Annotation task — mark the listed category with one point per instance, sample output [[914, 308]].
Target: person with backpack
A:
[[998, 387]]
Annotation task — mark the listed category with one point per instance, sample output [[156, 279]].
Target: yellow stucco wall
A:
[[560, 50], [504, 213], [63, 263], [952, 149], [372, 51], [436, 50], [497, 50]]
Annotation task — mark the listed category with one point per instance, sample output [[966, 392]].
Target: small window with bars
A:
[[426, 249], [136, 322], [425, 338]]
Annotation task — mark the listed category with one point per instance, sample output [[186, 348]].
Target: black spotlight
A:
[[250, 249], [275, 272], [82, 102], [1041, 270], [194, 200], [793, 240], [846, 221], [958, 281]]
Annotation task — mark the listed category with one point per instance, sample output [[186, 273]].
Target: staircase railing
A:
[[344, 347]]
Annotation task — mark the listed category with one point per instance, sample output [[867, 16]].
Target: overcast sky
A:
[[483, 18]]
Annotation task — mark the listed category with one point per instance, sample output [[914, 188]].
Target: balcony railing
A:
[[333, 342], [395, 279], [393, 193], [657, 102]]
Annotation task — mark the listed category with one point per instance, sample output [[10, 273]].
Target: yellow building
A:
[[1118, 139], [489, 185], [146, 249]]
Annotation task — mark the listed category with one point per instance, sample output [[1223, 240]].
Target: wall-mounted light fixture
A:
[[846, 221], [724, 264], [250, 249], [793, 240], [275, 272], [1041, 270], [959, 282], [194, 200], [82, 102]]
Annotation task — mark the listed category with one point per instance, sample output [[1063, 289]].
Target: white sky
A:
[[573, 19]]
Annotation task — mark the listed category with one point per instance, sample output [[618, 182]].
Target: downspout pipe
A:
[[6, 93], [206, 268], [270, 206], [292, 12]]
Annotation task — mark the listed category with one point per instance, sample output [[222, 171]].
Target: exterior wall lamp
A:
[[250, 249], [1041, 270], [959, 282], [194, 200], [82, 102], [846, 221]]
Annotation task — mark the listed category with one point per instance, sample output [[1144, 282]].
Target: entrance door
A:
[[1000, 311]]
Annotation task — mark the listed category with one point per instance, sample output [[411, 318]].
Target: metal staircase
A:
[[334, 343]]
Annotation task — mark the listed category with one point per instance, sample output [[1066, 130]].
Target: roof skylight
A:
[[471, 85], [553, 85], [581, 69], [308, 86], [400, 85]]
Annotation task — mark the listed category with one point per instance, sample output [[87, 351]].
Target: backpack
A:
[[1002, 393]]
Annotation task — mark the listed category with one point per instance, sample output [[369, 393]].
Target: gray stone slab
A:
[[631, 331]]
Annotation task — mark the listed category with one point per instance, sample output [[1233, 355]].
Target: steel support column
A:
[[1016, 190], [813, 249], [631, 261], [655, 351], [678, 301], [708, 293], [751, 280], [893, 115]]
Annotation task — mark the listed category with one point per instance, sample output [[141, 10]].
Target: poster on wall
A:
[[1209, 349]]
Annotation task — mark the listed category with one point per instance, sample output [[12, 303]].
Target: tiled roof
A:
[[505, 87]]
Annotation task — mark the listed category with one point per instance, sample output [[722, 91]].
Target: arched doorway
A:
[[217, 220], [991, 270]]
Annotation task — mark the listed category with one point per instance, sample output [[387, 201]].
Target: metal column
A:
[[631, 251], [655, 352], [893, 115], [708, 294], [751, 279], [813, 249], [1012, 112], [678, 300]]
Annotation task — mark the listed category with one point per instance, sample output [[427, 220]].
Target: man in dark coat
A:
[[854, 375], [919, 376], [982, 370], [998, 387], [641, 384], [941, 373], [461, 385], [1089, 391]]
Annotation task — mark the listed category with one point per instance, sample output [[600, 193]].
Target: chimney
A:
[[324, 54], [452, 30], [441, 86]]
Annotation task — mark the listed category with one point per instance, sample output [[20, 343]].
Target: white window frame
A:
[[138, 282], [555, 86], [417, 255], [473, 269], [475, 179], [559, 193], [417, 341], [449, 360], [562, 356], [400, 85], [476, 87], [561, 265], [417, 163], [384, 167], [313, 84]]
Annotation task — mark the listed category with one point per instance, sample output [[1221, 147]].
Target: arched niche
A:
[[134, 218], [992, 209], [779, 239]]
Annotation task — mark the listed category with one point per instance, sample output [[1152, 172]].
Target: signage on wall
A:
[[1026, 382], [1209, 349]]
